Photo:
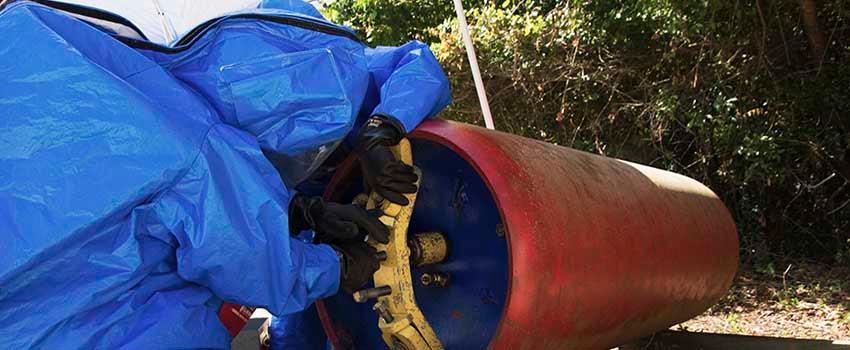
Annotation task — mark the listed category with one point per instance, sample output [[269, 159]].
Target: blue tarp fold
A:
[[136, 194]]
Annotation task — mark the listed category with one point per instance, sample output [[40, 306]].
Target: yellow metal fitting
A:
[[402, 324], [428, 248]]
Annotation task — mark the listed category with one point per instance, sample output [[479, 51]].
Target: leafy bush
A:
[[734, 94]]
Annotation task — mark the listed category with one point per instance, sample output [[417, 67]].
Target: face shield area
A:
[[295, 168]]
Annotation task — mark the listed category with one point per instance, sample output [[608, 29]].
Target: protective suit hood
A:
[[136, 191], [280, 71]]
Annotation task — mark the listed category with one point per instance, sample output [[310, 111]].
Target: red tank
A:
[[600, 251]]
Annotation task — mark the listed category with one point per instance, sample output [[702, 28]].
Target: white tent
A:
[[162, 21]]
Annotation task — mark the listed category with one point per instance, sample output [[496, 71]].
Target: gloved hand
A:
[[383, 173], [334, 222], [358, 262]]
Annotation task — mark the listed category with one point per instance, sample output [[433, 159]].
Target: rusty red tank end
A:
[[602, 251]]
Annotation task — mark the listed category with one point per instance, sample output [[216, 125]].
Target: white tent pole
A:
[[473, 63], [168, 30]]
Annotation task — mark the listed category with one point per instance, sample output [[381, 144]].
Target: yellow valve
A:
[[402, 324]]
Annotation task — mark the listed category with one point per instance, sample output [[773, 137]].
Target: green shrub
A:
[[727, 92]]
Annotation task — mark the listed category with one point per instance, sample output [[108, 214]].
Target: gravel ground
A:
[[806, 301]]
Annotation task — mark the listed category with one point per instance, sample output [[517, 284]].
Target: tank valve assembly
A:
[[402, 324]]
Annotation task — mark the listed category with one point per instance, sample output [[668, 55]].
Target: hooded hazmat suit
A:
[[136, 191]]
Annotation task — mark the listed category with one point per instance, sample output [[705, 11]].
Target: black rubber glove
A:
[[334, 222], [382, 172], [358, 262]]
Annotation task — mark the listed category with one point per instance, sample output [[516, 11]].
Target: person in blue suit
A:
[[145, 181]]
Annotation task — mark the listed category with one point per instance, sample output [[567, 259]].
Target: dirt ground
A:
[[800, 301]]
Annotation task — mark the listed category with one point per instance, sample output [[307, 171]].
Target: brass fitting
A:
[[437, 279], [428, 248]]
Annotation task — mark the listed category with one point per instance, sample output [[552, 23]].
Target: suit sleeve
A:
[[227, 218], [411, 84]]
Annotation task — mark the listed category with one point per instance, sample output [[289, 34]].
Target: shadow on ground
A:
[[670, 340], [803, 301]]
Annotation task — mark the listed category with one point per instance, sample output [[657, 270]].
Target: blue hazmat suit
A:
[[141, 185]]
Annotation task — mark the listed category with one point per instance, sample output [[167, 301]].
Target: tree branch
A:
[[817, 41]]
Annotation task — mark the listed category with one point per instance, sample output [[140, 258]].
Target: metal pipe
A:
[[473, 64]]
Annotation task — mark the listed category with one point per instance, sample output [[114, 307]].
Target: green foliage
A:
[[727, 92], [385, 22]]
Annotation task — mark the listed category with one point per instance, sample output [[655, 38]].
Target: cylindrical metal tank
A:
[[549, 247]]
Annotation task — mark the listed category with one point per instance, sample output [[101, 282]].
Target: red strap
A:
[[234, 317]]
